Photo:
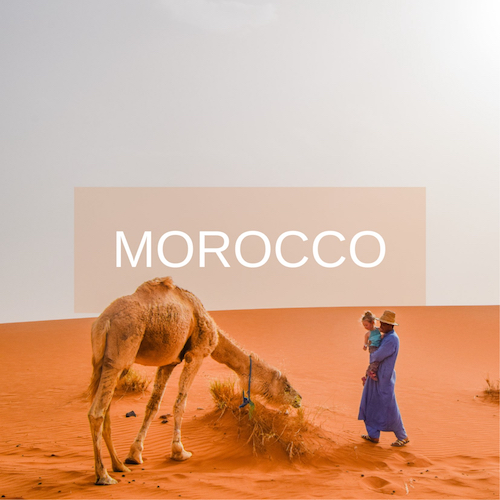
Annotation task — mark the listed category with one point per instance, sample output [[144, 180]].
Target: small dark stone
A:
[[427, 470], [435, 477], [162, 417], [123, 475], [131, 414], [52, 455], [157, 486], [17, 445], [39, 483], [164, 421], [362, 475]]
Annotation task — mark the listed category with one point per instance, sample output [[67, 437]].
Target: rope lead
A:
[[247, 400]]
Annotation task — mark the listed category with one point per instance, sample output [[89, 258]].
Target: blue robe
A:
[[378, 407]]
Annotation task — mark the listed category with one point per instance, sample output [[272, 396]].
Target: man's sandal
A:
[[368, 438], [400, 442]]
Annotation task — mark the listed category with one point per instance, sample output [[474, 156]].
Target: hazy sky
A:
[[247, 93]]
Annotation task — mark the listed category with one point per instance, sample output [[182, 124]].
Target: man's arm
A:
[[385, 350]]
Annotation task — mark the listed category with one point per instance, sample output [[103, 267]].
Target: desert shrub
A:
[[223, 392], [266, 427], [133, 381], [279, 426], [492, 388]]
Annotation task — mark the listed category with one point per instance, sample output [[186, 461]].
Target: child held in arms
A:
[[372, 343]]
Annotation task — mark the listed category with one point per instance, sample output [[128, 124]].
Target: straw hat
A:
[[388, 317]]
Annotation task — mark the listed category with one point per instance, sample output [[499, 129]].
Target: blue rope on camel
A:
[[247, 400]]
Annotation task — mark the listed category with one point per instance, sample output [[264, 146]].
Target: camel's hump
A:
[[167, 282]]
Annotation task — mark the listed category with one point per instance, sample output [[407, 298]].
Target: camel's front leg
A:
[[162, 375], [192, 365]]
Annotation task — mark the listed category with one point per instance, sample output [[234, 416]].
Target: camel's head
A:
[[278, 391]]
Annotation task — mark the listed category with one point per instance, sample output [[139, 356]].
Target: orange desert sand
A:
[[445, 355]]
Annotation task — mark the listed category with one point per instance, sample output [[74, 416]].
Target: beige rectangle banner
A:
[[253, 248]]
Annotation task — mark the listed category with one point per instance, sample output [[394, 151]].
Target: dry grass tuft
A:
[[133, 381], [267, 427], [492, 389], [223, 392]]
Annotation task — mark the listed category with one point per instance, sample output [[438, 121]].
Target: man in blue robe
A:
[[378, 407]]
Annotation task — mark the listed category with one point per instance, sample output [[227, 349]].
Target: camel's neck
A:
[[228, 353]]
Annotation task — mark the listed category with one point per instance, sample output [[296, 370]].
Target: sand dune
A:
[[446, 353]]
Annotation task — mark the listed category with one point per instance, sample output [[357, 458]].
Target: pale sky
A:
[[247, 93]]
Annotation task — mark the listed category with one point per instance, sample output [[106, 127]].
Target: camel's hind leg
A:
[[162, 375], [97, 414], [191, 367], [106, 433]]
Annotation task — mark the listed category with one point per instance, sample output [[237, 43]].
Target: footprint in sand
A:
[[379, 484], [179, 476], [415, 460], [375, 482]]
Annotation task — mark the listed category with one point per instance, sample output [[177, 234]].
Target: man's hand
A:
[[365, 347]]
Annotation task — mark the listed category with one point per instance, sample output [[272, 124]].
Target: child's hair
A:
[[368, 316]]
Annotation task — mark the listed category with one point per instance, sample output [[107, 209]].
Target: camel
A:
[[162, 325]]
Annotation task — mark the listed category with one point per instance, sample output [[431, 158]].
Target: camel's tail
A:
[[100, 330]]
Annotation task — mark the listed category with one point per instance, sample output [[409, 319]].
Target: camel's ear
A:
[[278, 374]]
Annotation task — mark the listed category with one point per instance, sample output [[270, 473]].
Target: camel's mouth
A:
[[297, 402]]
